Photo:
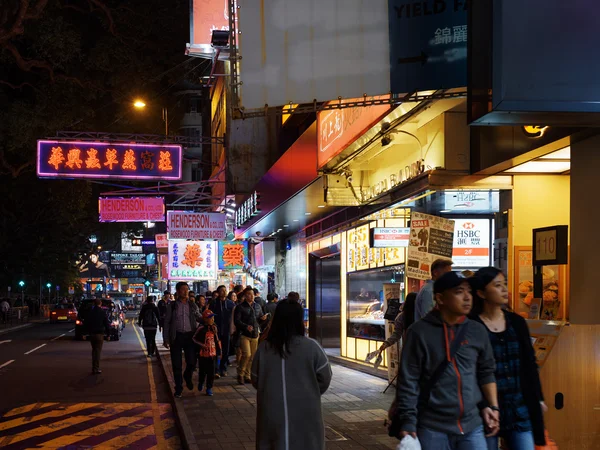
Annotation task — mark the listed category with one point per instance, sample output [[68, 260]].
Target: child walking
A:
[[207, 338]]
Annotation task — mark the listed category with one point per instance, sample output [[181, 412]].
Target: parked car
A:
[[114, 318], [65, 312]]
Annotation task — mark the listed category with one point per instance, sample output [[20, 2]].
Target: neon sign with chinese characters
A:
[[71, 159]]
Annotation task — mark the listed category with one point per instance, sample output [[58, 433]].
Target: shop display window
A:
[[365, 302]]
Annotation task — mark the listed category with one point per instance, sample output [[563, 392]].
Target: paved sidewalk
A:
[[354, 412]]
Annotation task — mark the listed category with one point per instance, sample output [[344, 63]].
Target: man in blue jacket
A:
[[442, 383], [222, 307]]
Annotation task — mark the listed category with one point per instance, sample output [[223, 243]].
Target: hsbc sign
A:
[[471, 243]]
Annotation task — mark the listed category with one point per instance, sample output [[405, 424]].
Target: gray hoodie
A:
[[452, 406]]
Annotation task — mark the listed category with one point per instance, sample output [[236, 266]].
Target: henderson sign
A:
[[132, 209], [186, 225]]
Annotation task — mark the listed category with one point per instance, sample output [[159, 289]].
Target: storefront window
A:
[[365, 301]]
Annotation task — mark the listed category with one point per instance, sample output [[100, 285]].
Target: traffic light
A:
[[21, 283], [48, 285], [147, 283]]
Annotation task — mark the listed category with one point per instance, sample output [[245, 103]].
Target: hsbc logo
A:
[[468, 225]]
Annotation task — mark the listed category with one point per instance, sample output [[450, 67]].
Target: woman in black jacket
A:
[[520, 395]]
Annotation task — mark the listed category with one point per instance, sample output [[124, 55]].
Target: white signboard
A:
[[300, 51], [187, 225], [162, 241], [390, 237], [192, 260], [431, 238], [471, 243]]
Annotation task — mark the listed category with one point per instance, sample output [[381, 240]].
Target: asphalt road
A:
[[46, 381]]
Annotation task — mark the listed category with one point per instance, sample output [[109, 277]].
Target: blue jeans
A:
[[514, 440], [435, 440]]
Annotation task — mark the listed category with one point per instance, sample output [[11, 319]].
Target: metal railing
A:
[[15, 316]]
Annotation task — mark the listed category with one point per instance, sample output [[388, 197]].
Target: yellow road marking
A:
[[56, 413], [158, 428], [123, 441], [45, 429], [27, 408]]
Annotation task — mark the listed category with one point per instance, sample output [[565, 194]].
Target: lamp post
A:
[[140, 104]]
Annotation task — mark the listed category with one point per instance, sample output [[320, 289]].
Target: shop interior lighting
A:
[[296, 220], [564, 153], [321, 206], [542, 166], [307, 214], [285, 225]]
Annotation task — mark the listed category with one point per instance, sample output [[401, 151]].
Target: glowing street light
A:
[[139, 104]]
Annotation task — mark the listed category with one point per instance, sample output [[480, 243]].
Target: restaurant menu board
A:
[[391, 296], [431, 238], [543, 337]]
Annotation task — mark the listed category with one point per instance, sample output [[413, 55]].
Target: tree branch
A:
[[10, 169], [16, 86]]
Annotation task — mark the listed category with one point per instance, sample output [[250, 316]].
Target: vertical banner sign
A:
[[232, 255], [431, 238], [391, 293], [428, 44], [192, 260], [471, 243], [187, 225]]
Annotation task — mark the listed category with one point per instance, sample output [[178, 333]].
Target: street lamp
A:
[[140, 104]]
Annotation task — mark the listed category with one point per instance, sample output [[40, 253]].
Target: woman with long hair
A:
[[520, 397], [290, 373]]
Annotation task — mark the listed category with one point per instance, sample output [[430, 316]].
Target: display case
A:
[[365, 301]]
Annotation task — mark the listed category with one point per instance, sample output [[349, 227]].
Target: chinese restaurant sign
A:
[[186, 225], [338, 128], [192, 260], [132, 209], [232, 255], [431, 238], [70, 159]]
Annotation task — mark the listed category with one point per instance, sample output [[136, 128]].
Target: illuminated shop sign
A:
[[187, 225], [161, 241], [393, 180], [247, 210], [232, 255], [127, 258], [389, 237], [192, 260], [132, 209], [471, 247], [70, 159]]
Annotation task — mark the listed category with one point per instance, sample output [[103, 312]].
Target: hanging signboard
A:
[[132, 209], [232, 255], [188, 225], [392, 296], [389, 237], [101, 160], [161, 240], [471, 243], [428, 44], [192, 260], [431, 238], [206, 16]]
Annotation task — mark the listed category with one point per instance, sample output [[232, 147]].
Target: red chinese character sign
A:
[[192, 260], [232, 255], [70, 159]]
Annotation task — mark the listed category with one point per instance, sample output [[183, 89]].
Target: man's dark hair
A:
[[270, 297], [98, 301], [238, 288], [222, 286], [166, 293], [287, 323], [150, 299], [180, 284], [293, 297], [255, 291], [440, 264]]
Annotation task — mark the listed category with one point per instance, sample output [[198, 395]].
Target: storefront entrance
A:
[[325, 310]]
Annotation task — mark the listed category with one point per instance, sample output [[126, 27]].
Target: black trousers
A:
[[150, 335], [224, 359], [97, 340], [207, 371], [183, 343]]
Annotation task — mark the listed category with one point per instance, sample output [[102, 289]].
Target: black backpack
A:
[[149, 318]]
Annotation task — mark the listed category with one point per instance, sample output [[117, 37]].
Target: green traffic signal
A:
[[147, 283], [48, 285], [21, 283]]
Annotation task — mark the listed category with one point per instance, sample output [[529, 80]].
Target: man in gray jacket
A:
[[181, 320], [443, 409]]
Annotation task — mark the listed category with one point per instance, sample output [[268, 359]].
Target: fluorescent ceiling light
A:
[[307, 214], [545, 166], [321, 206], [296, 220], [285, 226], [563, 153]]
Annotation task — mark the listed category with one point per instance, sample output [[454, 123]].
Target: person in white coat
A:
[[290, 373]]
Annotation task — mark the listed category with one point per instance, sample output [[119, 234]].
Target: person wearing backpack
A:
[[446, 380], [149, 319]]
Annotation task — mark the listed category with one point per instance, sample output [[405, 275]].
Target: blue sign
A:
[[428, 45]]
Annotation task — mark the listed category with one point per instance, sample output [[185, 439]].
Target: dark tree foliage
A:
[[74, 65]]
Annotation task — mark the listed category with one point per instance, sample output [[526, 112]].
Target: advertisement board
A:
[[127, 258], [471, 243], [188, 225], [161, 240], [132, 209], [391, 293], [431, 238], [192, 260], [312, 50], [101, 160], [206, 16], [232, 255], [389, 237], [338, 128], [428, 45]]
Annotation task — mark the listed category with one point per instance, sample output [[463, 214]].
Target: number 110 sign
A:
[[550, 245]]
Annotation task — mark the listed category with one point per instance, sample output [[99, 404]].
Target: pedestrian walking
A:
[[247, 315], [5, 310], [181, 320], [222, 307], [425, 301], [520, 396], [207, 339], [401, 323], [290, 373], [162, 309], [98, 327], [446, 370], [272, 300], [149, 319]]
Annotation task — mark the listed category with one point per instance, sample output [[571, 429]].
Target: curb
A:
[[188, 439], [18, 327]]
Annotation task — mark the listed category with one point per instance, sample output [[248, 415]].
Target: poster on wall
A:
[[471, 246], [391, 295], [431, 238], [192, 260]]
